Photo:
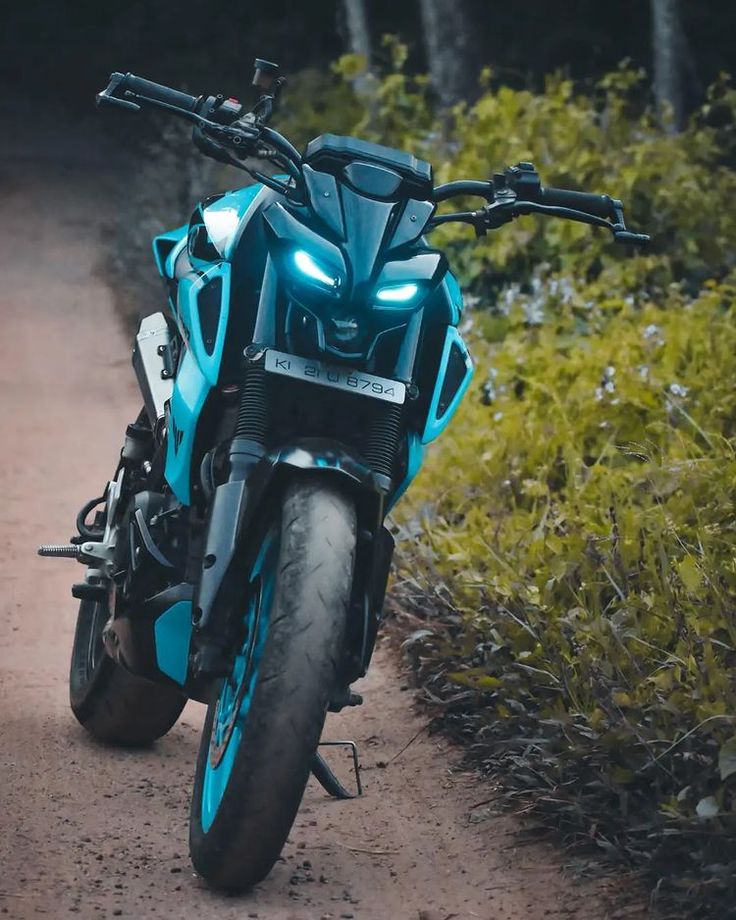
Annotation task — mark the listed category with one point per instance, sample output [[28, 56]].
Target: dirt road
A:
[[94, 832]]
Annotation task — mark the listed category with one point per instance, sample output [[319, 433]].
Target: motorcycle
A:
[[239, 555]]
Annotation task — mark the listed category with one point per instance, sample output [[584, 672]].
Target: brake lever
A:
[[626, 236], [620, 233], [104, 98]]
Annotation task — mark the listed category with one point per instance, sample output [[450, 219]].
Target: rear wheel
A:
[[112, 704], [261, 732]]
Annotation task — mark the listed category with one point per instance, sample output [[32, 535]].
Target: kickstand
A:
[[326, 778]]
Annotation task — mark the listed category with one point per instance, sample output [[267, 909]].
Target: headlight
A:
[[397, 293], [312, 270]]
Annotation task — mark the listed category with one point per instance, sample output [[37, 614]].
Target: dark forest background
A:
[[63, 51]]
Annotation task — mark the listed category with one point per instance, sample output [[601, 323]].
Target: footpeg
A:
[[61, 551], [322, 772], [343, 698], [83, 591]]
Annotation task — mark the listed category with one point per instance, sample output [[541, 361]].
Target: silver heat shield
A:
[[151, 343]]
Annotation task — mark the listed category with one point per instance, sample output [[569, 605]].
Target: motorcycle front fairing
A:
[[200, 261]]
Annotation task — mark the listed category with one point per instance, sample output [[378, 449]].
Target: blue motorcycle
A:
[[239, 555]]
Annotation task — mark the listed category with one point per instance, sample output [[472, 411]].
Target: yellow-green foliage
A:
[[572, 535], [586, 523]]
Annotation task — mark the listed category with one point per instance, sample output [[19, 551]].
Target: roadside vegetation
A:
[[568, 552], [567, 557]]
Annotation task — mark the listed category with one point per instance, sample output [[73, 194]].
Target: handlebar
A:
[[225, 132], [123, 83], [518, 191]]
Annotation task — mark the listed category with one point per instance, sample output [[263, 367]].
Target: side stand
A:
[[326, 778]]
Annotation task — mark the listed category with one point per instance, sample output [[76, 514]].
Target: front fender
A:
[[236, 505]]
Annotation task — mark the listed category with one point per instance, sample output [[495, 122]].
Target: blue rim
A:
[[236, 694]]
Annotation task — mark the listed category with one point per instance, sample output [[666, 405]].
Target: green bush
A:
[[585, 555], [577, 578]]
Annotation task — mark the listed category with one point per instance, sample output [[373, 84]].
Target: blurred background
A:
[[61, 52]]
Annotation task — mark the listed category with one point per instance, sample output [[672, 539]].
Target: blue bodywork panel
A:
[[166, 247], [199, 368], [197, 373], [454, 296], [415, 456], [438, 416], [191, 289], [173, 633], [190, 392]]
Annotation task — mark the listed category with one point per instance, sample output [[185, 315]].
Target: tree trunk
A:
[[450, 50], [356, 18], [359, 37], [669, 46]]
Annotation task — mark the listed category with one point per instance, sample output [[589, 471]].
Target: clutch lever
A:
[[106, 97], [626, 236]]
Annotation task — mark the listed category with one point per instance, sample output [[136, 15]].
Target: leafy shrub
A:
[[578, 579], [583, 568]]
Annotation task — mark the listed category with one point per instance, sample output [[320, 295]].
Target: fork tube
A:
[[264, 332], [404, 368]]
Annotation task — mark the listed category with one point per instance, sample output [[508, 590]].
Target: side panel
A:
[[202, 312], [454, 296], [153, 640], [190, 392], [173, 632], [164, 247], [415, 449], [453, 379]]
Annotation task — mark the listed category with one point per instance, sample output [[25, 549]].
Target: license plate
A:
[[331, 375]]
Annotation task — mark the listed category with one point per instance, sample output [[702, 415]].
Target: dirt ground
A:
[[96, 832]]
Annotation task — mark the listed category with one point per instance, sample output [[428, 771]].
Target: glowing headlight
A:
[[307, 266], [397, 293]]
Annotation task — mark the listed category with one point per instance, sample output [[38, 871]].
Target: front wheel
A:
[[261, 732]]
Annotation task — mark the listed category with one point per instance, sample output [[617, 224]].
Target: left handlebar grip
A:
[[157, 92]]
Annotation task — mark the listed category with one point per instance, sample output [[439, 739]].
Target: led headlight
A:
[[397, 293], [313, 270]]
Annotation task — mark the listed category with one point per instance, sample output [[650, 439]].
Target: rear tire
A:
[[111, 703], [243, 807]]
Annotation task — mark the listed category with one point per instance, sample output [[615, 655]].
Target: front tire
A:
[[261, 734], [113, 705]]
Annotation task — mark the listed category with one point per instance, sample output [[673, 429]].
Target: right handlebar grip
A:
[[158, 92], [598, 205]]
